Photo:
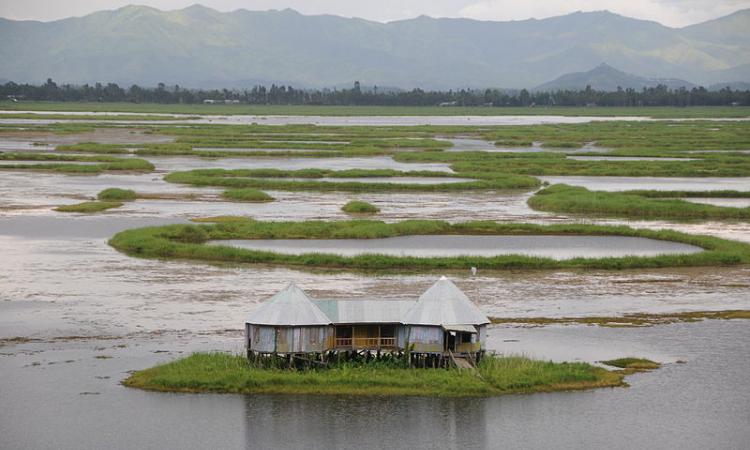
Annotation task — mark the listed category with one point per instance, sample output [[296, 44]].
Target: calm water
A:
[[558, 247]]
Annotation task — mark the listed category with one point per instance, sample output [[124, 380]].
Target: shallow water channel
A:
[[557, 247]]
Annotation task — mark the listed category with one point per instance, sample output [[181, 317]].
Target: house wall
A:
[[425, 339], [262, 338], [303, 339]]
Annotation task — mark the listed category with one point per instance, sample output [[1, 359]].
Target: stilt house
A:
[[442, 321]]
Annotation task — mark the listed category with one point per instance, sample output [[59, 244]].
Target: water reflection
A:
[[367, 423]]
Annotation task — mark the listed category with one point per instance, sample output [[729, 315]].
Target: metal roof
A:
[[289, 307], [365, 311], [444, 304]]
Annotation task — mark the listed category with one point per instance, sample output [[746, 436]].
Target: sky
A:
[[674, 13]]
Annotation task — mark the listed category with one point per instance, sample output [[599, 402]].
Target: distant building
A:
[[441, 324], [453, 103], [209, 101]]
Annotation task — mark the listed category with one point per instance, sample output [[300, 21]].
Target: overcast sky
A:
[[674, 13]]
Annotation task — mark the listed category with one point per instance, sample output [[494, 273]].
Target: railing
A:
[[383, 342]]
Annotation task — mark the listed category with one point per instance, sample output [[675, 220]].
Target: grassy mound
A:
[[88, 207], [219, 372], [167, 242], [308, 180], [247, 195], [633, 363], [561, 198], [360, 207], [117, 194]]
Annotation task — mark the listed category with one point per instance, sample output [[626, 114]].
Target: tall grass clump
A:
[[360, 207], [117, 194], [247, 195]]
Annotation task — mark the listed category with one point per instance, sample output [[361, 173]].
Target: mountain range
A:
[[201, 47]]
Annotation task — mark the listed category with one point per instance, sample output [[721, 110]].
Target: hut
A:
[[288, 323], [445, 321], [441, 323]]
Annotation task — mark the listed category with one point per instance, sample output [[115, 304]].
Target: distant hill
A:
[[606, 78], [201, 47]]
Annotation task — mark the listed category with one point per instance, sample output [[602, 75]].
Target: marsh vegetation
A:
[[496, 375]]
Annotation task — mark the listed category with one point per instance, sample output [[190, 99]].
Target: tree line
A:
[[287, 95]]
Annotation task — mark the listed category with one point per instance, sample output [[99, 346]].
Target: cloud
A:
[[675, 13]]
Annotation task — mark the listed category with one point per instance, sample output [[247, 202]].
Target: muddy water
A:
[[557, 247], [175, 163], [480, 145], [657, 183]]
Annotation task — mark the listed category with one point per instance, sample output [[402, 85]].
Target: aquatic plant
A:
[[247, 195], [360, 207], [117, 194], [88, 207]]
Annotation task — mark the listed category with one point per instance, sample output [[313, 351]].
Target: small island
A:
[[494, 375], [432, 346]]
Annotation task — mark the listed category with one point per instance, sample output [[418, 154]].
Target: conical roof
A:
[[289, 307], [444, 304]]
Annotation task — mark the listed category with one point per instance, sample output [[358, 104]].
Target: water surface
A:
[[557, 247]]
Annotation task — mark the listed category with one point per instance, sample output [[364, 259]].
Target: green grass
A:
[[702, 111], [276, 179], [360, 207], [223, 373], [68, 163], [633, 363], [88, 207], [117, 194], [169, 242], [247, 195], [561, 198]]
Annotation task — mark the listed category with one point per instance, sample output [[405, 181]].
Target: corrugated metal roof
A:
[[445, 304], [289, 307], [461, 328], [365, 311]]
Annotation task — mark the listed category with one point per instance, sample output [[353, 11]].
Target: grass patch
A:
[[219, 372], [305, 179], [117, 194], [561, 198], [68, 163], [247, 195], [167, 242], [360, 207], [88, 207], [637, 364]]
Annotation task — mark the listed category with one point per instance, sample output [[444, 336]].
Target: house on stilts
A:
[[440, 326]]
